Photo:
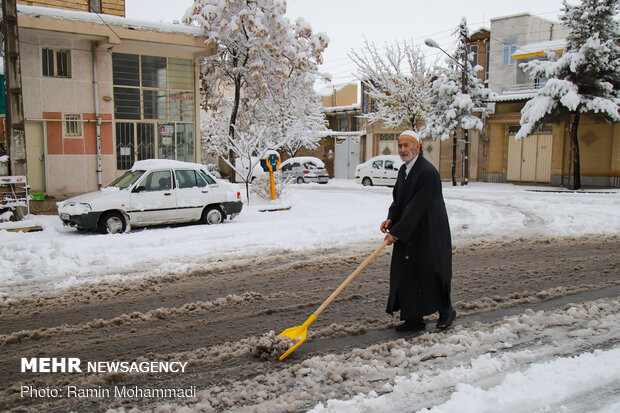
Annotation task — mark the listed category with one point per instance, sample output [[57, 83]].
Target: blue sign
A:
[[271, 164]]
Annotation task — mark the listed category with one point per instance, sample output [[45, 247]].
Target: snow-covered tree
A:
[[398, 79], [455, 92], [260, 53], [585, 79], [295, 114]]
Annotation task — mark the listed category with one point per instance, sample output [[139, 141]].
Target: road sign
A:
[[271, 164]]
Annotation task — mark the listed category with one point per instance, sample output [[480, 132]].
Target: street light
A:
[[464, 151]]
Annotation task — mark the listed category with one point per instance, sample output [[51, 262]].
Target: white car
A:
[[380, 170], [153, 192], [242, 166], [303, 169]]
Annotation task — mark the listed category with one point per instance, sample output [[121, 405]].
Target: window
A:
[[373, 105], [377, 164], [343, 124], [154, 102], [473, 50], [486, 69], [158, 181], [145, 137], [126, 103], [181, 105], [389, 165], [207, 178], [127, 179], [95, 6], [125, 134], [189, 179], [153, 71], [56, 63], [509, 49], [387, 136], [180, 74], [73, 125]]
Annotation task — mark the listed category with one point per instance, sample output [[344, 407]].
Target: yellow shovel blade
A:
[[298, 334]]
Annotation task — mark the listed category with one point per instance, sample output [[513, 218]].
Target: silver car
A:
[[304, 169]]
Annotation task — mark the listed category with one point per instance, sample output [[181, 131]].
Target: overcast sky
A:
[[349, 22]]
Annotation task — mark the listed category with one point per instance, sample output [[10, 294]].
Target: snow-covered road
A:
[[340, 214]]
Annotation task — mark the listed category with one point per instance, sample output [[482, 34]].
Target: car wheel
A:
[[113, 223], [367, 181], [212, 215], [300, 180]]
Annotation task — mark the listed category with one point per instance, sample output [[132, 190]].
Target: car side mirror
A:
[[139, 188]]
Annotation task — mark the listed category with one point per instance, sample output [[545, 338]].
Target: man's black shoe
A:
[[446, 319], [411, 325]]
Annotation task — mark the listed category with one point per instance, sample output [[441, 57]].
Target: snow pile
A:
[[271, 346], [558, 356]]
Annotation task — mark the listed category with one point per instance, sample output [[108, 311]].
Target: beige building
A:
[[545, 156], [103, 91], [342, 150]]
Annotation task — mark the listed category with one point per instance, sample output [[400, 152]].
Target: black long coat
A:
[[421, 269]]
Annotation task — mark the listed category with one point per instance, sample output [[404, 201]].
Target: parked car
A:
[[153, 192], [243, 166], [303, 169], [380, 170]]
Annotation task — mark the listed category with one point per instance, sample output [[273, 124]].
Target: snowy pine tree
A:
[[398, 80], [585, 79], [455, 92]]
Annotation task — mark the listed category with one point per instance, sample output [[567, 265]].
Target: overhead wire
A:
[[347, 70]]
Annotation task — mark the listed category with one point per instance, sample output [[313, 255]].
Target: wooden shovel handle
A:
[[349, 279]]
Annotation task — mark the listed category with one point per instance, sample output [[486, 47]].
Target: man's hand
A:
[[385, 225], [390, 238]]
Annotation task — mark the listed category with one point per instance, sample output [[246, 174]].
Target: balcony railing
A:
[[523, 87]]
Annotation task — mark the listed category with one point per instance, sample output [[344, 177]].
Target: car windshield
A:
[[310, 165], [127, 179]]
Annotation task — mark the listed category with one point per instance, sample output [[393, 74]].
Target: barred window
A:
[[154, 107], [387, 136], [56, 63], [73, 125]]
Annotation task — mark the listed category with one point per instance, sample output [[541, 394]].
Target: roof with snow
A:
[[540, 49], [347, 108], [509, 97], [104, 19]]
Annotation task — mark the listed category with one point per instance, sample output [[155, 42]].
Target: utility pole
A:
[[464, 132], [16, 139]]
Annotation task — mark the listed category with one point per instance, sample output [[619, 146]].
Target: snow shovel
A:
[[299, 332]]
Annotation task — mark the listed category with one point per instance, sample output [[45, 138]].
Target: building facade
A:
[[98, 96], [545, 156], [343, 149], [111, 7]]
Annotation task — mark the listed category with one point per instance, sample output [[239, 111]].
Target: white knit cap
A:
[[412, 134]]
